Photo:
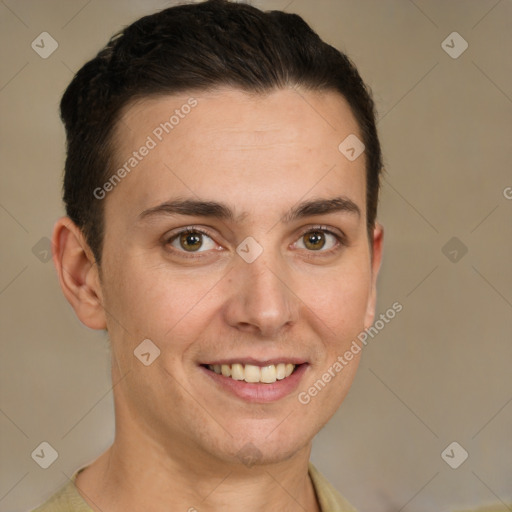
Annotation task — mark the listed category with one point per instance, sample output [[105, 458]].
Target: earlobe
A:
[[78, 273], [378, 238]]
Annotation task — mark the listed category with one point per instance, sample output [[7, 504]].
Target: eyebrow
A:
[[213, 209]]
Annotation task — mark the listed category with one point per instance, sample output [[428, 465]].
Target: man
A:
[[221, 187]]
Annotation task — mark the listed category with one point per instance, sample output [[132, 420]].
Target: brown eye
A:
[[314, 240], [319, 240], [191, 241]]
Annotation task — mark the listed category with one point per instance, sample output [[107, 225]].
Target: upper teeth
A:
[[251, 373]]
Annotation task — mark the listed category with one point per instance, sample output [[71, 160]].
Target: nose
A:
[[261, 299]]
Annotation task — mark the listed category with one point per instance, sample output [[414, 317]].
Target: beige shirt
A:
[[68, 499]]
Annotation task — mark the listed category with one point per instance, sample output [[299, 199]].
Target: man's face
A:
[[302, 300]]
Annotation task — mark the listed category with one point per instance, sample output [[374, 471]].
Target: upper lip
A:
[[257, 362]]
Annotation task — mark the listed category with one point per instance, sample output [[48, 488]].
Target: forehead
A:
[[224, 142], [239, 115]]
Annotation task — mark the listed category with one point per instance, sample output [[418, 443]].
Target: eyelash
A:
[[340, 239]]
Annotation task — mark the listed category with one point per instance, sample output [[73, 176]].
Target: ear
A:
[[78, 273], [378, 237]]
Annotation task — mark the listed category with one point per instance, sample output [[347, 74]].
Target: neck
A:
[[137, 473]]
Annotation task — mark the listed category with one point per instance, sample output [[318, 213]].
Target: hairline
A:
[[112, 138]]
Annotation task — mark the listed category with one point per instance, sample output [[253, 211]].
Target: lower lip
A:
[[259, 392]]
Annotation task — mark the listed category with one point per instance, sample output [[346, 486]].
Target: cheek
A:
[[340, 299], [339, 303], [153, 302]]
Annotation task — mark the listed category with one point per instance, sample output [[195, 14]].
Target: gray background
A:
[[439, 372]]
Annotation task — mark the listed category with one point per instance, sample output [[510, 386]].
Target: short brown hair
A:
[[194, 47]]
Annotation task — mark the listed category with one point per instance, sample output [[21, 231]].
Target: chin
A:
[[264, 448]]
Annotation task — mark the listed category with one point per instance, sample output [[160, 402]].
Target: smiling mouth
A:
[[252, 373]]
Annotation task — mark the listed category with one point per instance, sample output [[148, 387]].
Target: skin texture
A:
[[179, 437]]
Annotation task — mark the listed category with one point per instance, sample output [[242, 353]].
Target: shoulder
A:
[[329, 499], [66, 499]]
